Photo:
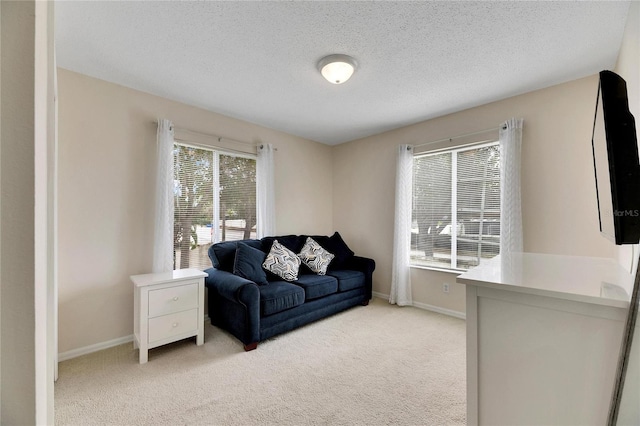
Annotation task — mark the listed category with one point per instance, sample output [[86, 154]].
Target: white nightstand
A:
[[168, 306]]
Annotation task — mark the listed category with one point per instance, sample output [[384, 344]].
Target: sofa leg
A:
[[365, 302], [250, 346]]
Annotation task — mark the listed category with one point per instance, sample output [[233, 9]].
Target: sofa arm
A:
[[232, 287], [362, 264], [366, 266], [234, 304]]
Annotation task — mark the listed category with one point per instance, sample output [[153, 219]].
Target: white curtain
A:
[[163, 231], [510, 197], [265, 192], [400, 272]]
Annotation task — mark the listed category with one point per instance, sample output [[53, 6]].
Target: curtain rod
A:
[[461, 136], [219, 138]]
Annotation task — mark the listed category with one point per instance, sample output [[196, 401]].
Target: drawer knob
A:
[[175, 324], [175, 299]]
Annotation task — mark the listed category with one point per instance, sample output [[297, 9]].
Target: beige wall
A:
[[105, 217], [560, 215], [628, 67]]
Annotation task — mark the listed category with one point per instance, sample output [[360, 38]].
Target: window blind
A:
[[215, 200], [456, 207]]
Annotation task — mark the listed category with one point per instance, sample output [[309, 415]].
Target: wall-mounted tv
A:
[[615, 159]]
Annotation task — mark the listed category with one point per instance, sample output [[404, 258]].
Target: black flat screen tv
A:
[[615, 159]]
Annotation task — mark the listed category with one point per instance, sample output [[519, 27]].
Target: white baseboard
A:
[[74, 353], [428, 307], [440, 310], [380, 295]]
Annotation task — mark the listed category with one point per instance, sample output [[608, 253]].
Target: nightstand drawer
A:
[[167, 326], [173, 299]]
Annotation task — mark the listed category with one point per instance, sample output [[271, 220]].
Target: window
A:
[[215, 200], [456, 207]]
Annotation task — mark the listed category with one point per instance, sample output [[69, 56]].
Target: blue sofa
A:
[[255, 311]]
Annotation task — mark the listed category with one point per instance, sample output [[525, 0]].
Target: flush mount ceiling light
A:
[[337, 68]]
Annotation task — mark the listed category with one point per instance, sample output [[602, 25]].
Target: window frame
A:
[[216, 236], [454, 195]]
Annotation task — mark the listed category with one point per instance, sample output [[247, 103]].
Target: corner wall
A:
[[107, 145], [560, 214]]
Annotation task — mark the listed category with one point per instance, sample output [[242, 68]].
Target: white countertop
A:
[[165, 277], [594, 280]]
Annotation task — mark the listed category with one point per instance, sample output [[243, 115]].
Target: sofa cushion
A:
[[248, 264], [292, 242], [315, 257], [223, 254], [336, 245], [279, 296], [316, 286], [282, 262], [348, 280]]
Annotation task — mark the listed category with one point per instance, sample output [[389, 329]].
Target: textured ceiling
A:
[[417, 60]]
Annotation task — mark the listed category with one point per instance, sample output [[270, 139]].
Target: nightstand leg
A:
[[144, 355]]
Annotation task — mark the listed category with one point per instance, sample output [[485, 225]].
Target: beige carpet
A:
[[373, 365]]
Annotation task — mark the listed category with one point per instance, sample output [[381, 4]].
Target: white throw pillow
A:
[[315, 256], [282, 262]]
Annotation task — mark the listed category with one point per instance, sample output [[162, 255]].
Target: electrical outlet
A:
[[445, 287]]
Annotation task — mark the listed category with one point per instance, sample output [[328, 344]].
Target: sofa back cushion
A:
[[223, 255], [248, 264], [292, 242], [336, 246]]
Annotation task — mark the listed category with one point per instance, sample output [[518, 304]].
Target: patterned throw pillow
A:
[[315, 257], [282, 262]]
